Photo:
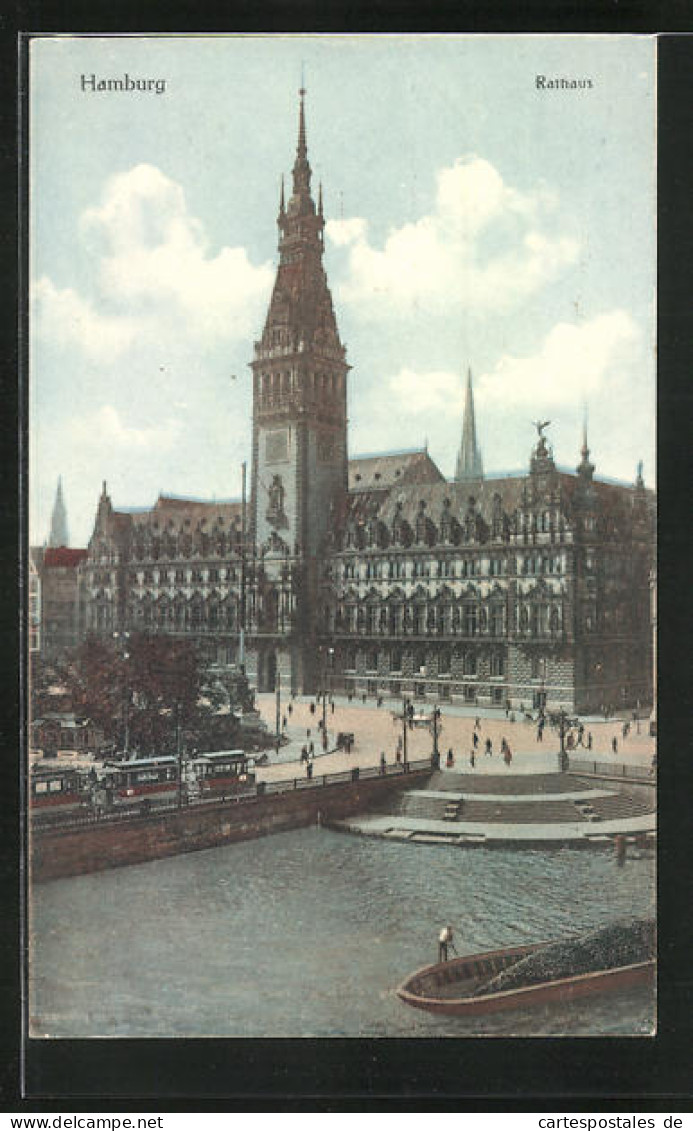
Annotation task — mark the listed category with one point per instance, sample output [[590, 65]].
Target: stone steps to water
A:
[[507, 808], [511, 784], [620, 805]]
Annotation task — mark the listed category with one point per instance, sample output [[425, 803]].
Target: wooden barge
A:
[[450, 987]]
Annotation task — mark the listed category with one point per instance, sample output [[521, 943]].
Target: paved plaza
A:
[[376, 731]]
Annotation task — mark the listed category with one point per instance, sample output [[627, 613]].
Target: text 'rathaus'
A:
[[378, 574]]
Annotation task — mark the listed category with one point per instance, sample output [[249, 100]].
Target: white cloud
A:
[[418, 393], [105, 430], [155, 255], [575, 363], [65, 318], [156, 279], [483, 248], [599, 364]]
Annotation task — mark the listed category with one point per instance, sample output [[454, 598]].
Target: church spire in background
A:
[[469, 463], [585, 468], [59, 535]]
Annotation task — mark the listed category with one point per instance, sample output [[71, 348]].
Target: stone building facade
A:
[[377, 574], [62, 598], [529, 590]]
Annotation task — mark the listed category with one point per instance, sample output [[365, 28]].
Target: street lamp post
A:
[[278, 693], [121, 640], [436, 752], [241, 640], [562, 757], [179, 757], [325, 653], [405, 720], [324, 691]]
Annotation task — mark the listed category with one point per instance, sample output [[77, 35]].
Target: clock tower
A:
[[299, 454]]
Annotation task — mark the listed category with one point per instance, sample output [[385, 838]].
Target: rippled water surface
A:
[[308, 933]]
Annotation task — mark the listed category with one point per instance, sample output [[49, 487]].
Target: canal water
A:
[[308, 933]]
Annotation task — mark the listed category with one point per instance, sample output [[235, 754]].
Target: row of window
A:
[[183, 576], [417, 619], [279, 384], [400, 569], [471, 619], [393, 662], [184, 547]]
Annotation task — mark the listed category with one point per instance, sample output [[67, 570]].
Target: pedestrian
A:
[[309, 770], [475, 739], [450, 760], [307, 732], [311, 749], [614, 745], [581, 734], [364, 697], [472, 759], [284, 722], [324, 740], [489, 747], [312, 708], [589, 739], [477, 723], [444, 941], [290, 709], [398, 754], [350, 697], [507, 756], [332, 706], [380, 700], [540, 733], [304, 754], [621, 849], [382, 761]]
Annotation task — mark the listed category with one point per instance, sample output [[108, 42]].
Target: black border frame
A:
[[625, 1075]]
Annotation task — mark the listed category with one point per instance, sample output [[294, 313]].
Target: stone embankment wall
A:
[[111, 844]]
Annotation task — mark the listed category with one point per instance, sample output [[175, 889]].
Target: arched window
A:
[[469, 667]]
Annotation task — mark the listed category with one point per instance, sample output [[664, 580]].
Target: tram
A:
[[222, 772], [146, 780], [58, 789]]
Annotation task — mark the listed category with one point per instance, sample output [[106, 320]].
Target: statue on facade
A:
[[540, 425], [275, 506]]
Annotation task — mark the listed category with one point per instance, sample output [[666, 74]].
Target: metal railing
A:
[[611, 769], [90, 818]]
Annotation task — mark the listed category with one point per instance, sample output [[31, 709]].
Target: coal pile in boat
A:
[[620, 944]]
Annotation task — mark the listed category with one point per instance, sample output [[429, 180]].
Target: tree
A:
[[139, 690]]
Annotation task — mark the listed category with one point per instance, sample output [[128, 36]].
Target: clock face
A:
[[277, 446]]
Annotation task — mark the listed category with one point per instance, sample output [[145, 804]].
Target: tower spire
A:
[[585, 468], [301, 170], [302, 148], [59, 535], [469, 462]]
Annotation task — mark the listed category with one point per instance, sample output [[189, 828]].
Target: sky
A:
[[475, 219]]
